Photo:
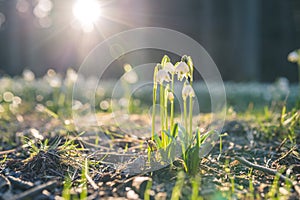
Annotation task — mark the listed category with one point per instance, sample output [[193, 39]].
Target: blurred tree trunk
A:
[[278, 39], [245, 37], [13, 42]]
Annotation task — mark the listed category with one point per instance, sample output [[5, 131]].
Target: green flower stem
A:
[[172, 116], [172, 106], [154, 102], [161, 98], [166, 107], [185, 117], [172, 86], [191, 105], [153, 110], [191, 117]]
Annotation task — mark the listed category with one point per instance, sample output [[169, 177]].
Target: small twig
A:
[[114, 154], [285, 155], [281, 144], [13, 150], [94, 145], [5, 183], [29, 194], [92, 182], [264, 169], [128, 180], [8, 151], [211, 169], [18, 183], [57, 173]]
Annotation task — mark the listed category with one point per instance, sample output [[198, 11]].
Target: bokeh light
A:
[[43, 8], [42, 12], [22, 6], [87, 12]]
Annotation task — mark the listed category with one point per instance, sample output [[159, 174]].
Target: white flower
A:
[[28, 75], [162, 75], [71, 77], [55, 82], [169, 67], [187, 91], [182, 70], [293, 57]]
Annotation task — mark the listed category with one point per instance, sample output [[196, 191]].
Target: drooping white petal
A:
[[162, 75], [182, 70], [187, 91], [169, 67]]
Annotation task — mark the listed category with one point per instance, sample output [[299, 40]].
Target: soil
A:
[[25, 174]]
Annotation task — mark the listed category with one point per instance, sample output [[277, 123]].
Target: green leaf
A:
[[167, 132], [208, 141], [206, 135], [157, 140], [175, 130], [192, 160], [198, 137], [190, 62], [283, 113]]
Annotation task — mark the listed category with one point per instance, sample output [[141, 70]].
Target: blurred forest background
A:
[[248, 39]]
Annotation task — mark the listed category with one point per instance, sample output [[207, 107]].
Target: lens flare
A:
[[87, 12]]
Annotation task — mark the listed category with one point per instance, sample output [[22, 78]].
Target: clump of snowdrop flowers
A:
[[164, 73]]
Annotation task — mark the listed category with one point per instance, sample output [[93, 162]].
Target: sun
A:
[[87, 12]]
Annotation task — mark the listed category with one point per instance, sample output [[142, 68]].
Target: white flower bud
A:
[[170, 96]]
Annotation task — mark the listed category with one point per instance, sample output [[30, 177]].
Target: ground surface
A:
[[28, 173]]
